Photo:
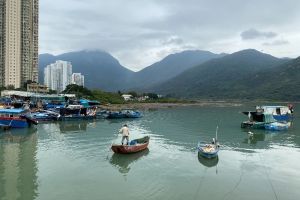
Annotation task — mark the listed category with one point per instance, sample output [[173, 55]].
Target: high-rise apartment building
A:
[[58, 75], [78, 79], [18, 42]]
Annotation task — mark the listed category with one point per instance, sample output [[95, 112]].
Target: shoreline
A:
[[154, 106]]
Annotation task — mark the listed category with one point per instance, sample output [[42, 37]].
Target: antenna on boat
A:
[[217, 133]]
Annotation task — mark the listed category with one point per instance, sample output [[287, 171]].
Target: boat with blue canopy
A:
[[16, 118]]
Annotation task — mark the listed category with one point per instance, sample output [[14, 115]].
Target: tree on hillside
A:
[[80, 91], [133, 93]]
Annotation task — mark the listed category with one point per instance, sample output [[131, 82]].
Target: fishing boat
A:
[[279, 113], [209, 150], [277, 126], [103, 114], [77, 112], [124, 114], [45, 115], [16, 118], [133, 147], [264, 121], [116, 115], [132, 114]]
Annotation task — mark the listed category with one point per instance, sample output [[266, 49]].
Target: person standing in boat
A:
[[125, 133]]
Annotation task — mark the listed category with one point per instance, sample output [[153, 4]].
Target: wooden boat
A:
[[209, 150], [133, 147]]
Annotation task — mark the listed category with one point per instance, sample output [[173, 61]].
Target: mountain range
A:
[[247, 74], [103, 71]]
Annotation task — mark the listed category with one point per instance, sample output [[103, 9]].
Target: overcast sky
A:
[[141, 32]]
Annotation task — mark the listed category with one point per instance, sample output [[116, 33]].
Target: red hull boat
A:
[[134, 146]]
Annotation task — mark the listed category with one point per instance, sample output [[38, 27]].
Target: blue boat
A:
[[264, 121], [209, 150], [277, 126], [45, 115], [116, 115], [132, 114], [15, 118], [280, 113], [123, 114]]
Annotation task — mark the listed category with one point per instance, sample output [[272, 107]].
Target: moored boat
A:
[[277, 126], [132, 114], [116, 115], [16, 118], [133, 147], [209, 150], [279, 113], [264, 121], [45, 115]]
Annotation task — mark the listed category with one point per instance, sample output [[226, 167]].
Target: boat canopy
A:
[[274, 110], [87, 103], [11, 111]]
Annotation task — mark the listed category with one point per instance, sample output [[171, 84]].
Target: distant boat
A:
[[209, 150], [279, 113], [132, 113], [264, 121], [45, 115], [16, 118], [123, 114], [77, 112], [116, 115], [133, 147]]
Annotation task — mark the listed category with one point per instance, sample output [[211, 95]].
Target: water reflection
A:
[[17, 135], [18, 165], [254, 138], [208, 162], [123, 162], [74, 126]]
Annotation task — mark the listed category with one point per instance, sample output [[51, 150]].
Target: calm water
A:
[[72, 160]]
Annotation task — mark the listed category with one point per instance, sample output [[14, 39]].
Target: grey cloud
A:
[[254, 34], [276, 43], [139, 32], [173, 40]]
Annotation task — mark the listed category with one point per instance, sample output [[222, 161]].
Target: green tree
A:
[[133, 93], [10, 87]]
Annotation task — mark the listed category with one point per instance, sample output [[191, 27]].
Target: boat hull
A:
[[254, 125], [208, 154], [140, 145], [14, 122], [285, 118], [126, 149], [276, 126]]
